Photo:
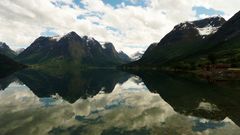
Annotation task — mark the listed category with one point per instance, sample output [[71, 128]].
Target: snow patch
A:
[[90, 39], [120, 51], [207, 107], [184, 26], [208, 30], [138, 55], [56, 38], [103, 45]]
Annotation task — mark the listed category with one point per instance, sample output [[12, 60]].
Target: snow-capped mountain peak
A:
[[59, 37], [209, 25], [204, 27], [136, 56]]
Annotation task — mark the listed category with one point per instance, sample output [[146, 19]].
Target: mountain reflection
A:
[[189, 95], [109, 102], [129, 109], [71, 85]]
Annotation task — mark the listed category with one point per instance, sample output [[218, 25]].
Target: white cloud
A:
[[23, 21]]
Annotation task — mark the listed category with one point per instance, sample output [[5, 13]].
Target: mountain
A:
[[184, 40], [6, 50], [8, 66], [225, 47], [229, 31], [222, 48], [70, 49], [124, 56], [110, 51], [136, 56]]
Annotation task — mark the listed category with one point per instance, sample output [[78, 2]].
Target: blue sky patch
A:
[[90, 14], [96, 23], [79, 3], [60, 4], [203, 10], [116, 3], [49, 32], [114, 30]]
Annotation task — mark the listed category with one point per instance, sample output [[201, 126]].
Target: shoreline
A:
[[216, 74]]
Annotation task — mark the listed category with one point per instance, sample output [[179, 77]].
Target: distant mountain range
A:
[[193, 43], [72, 49], [137, 55], [20, 50]]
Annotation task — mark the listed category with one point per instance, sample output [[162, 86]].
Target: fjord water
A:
[[110, 102]]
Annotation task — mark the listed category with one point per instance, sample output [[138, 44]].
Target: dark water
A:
[[111, 102]]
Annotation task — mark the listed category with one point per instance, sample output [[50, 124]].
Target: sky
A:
[[131, 25]]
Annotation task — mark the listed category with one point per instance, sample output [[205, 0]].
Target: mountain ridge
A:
[[72, 48], [186, 48]]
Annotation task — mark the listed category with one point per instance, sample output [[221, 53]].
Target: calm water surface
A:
[[110, 102]]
